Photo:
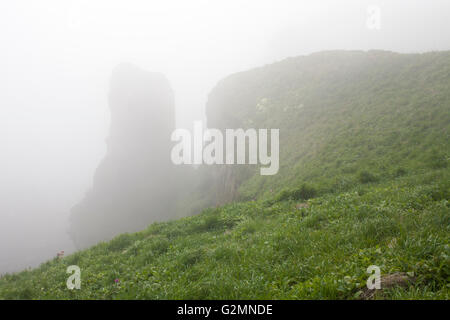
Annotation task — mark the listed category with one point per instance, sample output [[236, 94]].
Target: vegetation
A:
[[255, 250], [364, 180], [345, 117]]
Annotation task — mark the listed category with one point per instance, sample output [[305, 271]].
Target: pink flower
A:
[[116, 280]]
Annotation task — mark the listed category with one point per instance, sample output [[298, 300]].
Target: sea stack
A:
[[131, 186]]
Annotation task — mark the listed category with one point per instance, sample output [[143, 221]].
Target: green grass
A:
[[270, 250], [345, 118]]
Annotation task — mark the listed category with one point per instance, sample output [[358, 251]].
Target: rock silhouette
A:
[[131, 186]]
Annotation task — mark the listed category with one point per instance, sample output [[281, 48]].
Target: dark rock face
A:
[[132, 185]]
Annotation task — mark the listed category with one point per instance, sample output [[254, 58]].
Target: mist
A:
[[56, 61]]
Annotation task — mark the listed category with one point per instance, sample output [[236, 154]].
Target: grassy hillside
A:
[[364, 180], [342, 116], [270, 249]]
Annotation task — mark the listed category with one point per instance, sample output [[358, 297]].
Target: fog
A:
[[56, 60]]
